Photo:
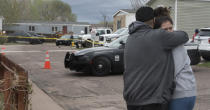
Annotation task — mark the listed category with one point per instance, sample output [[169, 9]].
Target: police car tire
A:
[[106, 66], [195, 58], [88, 44], [207, 58]]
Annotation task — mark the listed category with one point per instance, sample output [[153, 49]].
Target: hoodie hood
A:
[[137, 25]]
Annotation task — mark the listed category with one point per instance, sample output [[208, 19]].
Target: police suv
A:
[[102, 61]]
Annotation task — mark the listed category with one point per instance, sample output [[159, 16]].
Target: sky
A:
[[90, 10]]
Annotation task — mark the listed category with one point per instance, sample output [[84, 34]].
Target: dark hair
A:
[[196, 31], [162, 11], [162, 15], [160, 20], [144, 14]]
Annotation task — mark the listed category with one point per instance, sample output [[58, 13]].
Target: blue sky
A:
[[89, 10]]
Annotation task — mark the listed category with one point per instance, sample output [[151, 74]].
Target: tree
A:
[[45, 10], [57, 11], [10, 10]]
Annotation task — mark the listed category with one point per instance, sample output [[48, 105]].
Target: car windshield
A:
[[124, 32], [65, 37], [119, 31], [33, 34], [204, 33], [116, 43], [100, 32], [76, 36]]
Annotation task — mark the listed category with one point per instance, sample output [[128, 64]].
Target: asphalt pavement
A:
[[79, 91]]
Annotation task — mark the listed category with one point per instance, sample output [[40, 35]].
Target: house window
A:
[[54, 29], [31, 28], [118, 24]]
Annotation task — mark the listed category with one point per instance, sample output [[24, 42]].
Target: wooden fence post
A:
[[7, 90], [22, 93]]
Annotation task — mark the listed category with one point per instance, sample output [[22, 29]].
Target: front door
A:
[[64, 29]]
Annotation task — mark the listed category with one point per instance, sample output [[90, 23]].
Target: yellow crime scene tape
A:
[[94, 42], [21, 37], [27, 37]]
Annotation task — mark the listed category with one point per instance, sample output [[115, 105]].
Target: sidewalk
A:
[[41, 101]]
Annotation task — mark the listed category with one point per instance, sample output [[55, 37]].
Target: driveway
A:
[[78, 91]]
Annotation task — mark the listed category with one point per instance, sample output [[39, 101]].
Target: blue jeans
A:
[[186, 103]]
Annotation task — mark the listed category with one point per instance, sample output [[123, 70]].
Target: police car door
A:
[[119, 59]]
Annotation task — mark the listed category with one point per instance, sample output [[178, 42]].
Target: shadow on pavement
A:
[[80, 74]]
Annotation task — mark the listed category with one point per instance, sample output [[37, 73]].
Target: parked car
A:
[[88, 38], [102, 61], [38, 35], [107, 38], [21, 36], [66, 40], [203, 39], [98, 32]]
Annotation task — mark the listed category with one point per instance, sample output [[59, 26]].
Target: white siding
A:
[[129, 19], [192, 15]]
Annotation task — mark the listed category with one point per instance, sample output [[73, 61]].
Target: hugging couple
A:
[[158, 75]]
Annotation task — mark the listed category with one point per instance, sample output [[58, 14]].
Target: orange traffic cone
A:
[[47, 61], [3, 51]]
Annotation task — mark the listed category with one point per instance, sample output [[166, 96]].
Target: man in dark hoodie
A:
[[149, 65]]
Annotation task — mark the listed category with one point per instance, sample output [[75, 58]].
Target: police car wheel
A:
[[194, 57], [101, 66], [206, 58]]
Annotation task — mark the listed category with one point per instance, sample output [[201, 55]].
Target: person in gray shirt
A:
[[185, 92], [149, 65]]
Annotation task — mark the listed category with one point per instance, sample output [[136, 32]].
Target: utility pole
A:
[[175, 15]]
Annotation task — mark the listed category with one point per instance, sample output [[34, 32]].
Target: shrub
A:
[[3, 40]]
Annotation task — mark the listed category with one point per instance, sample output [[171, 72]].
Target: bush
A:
[[3, 40]]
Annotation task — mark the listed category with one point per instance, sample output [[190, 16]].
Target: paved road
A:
[[77, 91]]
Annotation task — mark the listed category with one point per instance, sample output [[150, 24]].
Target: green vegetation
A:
[[3, 40], [205, 64], [44, 10]]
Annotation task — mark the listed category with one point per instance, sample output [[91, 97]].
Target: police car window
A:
[[125, 32], [204, 33], [65, 37], [76, 37], [119, 31], [101, 32], [116, 43]]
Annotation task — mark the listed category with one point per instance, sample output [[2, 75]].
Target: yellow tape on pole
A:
[[94, 42]]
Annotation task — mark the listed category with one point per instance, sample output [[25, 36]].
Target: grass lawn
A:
[[205, 64]]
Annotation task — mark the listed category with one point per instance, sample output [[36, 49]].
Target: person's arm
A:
[[171, 40]]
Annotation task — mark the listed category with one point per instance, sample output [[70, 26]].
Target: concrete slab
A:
[[41, 101]]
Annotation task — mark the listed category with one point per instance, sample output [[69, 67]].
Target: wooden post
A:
[[7, 90], [22, 93], [17, 98]]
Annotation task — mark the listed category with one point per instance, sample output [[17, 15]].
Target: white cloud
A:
[[89, 10]]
